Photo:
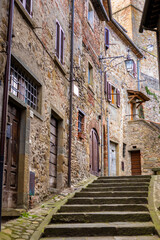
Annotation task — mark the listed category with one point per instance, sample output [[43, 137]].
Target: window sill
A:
[[59, 64], [25, 14], [81, 135], [19, 103], [37, 114], [91, 89], [113, 105], [92, 27]]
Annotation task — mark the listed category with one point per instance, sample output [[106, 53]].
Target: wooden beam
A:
[[139, 105], [131, 99]]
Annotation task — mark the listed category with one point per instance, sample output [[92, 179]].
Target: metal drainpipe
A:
[[101, 124], [71, 97], [138, 71], [5, 100], [158, 48], [108, 147]]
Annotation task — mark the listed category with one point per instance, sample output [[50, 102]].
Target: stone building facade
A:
[[39, 94], [128, 14], [38, 104]]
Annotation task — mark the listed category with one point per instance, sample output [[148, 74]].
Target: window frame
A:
[[90, 74], [60, 44], [81, 117], [112, 93], [89, 15], [106, 38], [26, 88], [24, 2]]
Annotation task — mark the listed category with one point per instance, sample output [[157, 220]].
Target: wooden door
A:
[[94, 153], [10, 183], [53, 153], [136, 163], [113, 159]]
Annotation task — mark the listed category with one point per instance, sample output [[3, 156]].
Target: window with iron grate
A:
[[24, 86]]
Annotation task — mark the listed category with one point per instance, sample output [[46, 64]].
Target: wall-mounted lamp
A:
[[129, 63]]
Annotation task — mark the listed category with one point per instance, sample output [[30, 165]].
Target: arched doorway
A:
[[94, 152]]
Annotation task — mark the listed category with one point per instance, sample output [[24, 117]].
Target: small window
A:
[[59, 43], [27, 4], [90, 74], [90, 15], [80, 124], [106, 38], [23, 86], [124, 149], [113, 94]]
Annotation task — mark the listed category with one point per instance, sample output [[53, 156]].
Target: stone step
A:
[[108, 200], [99, 229], [104, 207], [111, 194], [155, 237], [119, 188], [130, 177], [99, 217], [121, 180], [138, 184]]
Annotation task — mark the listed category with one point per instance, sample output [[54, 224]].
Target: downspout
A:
[[71, 96], [102, 166], [5, 100], [158, 47], [138, 72], [108, 147]]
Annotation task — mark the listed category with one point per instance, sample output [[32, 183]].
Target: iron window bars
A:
[[23, 87]]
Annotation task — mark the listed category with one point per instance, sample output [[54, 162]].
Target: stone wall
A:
[[3, 39], [131, 14], [34, 47], [145, 137]]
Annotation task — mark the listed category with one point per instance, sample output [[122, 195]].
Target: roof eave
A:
[[103, 16], [144, 16], [140, 54]]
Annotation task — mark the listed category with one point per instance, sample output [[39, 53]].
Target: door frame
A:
[[117, 157], [136, 150], [60, 147], [23, 160], [91, 151]]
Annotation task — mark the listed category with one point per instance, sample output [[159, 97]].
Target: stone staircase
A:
[[110, 206]]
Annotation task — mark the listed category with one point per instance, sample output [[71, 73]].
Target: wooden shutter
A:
[[62, 45], [57, 38], [106, 38], [118, 97], [109, 92], [105, 83]]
